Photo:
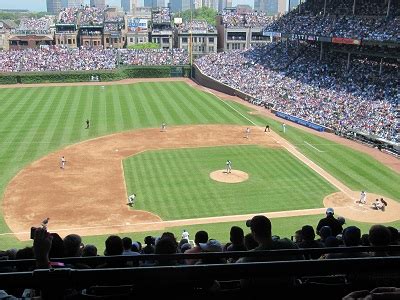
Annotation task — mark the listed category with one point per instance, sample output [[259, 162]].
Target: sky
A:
[[40, 5]]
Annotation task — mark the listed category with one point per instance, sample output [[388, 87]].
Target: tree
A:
[[203, 13], [145, 46]]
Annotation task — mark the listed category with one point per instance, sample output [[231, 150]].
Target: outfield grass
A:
[[175, 184], [37, 120]]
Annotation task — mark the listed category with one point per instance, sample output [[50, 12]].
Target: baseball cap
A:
[[259, 224], [211, 246], [330, 211]]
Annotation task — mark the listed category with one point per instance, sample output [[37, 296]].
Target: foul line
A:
[[313, 147]]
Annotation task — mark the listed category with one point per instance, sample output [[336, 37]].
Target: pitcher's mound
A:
[[235, 176]]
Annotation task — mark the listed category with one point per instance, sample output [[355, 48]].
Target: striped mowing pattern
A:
[[175, 184]]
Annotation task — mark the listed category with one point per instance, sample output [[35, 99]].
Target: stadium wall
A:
[[102, 75], [206, 81]]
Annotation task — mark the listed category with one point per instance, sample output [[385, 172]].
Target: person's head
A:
[[89, 250], [72, 245], [149, 240], [365, 240], [298, 237], [379, 235], [201, 237], [341, 220], [260, 227], [236, 235], [114, 246], [307, 232], [211, 246], [166, 245], [330, 212], [250, 242], [325, 232], [127, 243], [185, 247], [352, 236], [57, 246], [394, 235]]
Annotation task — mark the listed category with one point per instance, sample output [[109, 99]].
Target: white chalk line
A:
[[344, 189], [313, 147]]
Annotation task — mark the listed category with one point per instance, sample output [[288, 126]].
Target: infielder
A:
[[163, 127], [247, 133], [363, 197], [131, 199], [228, 166], [284, 127], [62, 162]]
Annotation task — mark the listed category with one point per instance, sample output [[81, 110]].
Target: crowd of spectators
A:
[[368, 22], [254, 19], [153, 57], [58, 58], [33, 26], [296, 82], [91, 16], [328, 232], [196, 25], [163, 15], [68, 15]]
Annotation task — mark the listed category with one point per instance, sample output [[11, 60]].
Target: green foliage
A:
[[203, 13], [145, 46], [8, 78], [17, 16], [84, 76]]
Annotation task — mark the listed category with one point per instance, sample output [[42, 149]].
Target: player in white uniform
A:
[[247, 133], [228, 166], [131, 199], [363, 197], [185, 235], [284, 127], [62, 162]]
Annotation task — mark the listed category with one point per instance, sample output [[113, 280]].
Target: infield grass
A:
[[35, 121], [175, 184]]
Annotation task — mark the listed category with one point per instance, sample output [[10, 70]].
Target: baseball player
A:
[[87, 124], [185, 235], [247, 133], [62, 162], [131, 199], [363, 197], [163, 127], [266, 128], [228, 166], [284, 127]]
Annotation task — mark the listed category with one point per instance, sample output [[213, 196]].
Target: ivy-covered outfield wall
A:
[[103, 75]]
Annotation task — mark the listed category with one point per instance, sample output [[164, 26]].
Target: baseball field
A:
[[289, 176]]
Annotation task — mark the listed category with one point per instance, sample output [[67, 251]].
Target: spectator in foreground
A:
[[200, 237]]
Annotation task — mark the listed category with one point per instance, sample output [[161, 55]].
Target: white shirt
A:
[[185, 235]]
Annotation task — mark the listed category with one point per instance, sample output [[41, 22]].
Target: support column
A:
[[321, 51], [388, 8], [324, 8], [348, 61], [354, 7]]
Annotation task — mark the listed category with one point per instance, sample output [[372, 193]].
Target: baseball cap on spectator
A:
[[211, 246], [259, 225], [330, 211]]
